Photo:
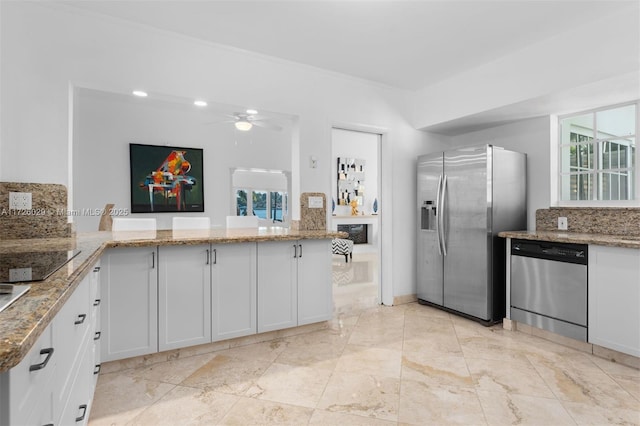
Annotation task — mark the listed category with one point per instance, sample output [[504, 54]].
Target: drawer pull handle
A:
[[295, 251], [83, 407], [96, 303], [215, 256], [96, 269], [49, 424], [97, 335], [96, 370], [80, 319], [43, 364], [208, 257], [300, 245]]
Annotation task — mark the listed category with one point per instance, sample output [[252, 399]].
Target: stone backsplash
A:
[[596, 220], [47, 217], [312, 217]]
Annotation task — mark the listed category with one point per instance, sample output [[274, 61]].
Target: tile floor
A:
[[407, 364]]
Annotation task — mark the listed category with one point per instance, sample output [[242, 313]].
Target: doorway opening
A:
[[356, 209]]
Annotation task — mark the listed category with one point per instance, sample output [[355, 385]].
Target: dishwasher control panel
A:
[[562, 252]]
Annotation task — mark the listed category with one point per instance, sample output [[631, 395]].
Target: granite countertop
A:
[[627, 241], [24, 321]]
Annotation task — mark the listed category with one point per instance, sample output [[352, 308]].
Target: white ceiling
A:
[[403, 44]]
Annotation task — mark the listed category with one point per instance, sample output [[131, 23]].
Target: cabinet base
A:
[[599, 351]]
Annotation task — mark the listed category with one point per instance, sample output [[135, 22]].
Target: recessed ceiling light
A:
[[200, 103], [140, 93], [252, 111]]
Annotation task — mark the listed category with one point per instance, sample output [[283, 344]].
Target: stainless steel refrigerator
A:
[[465, 197]]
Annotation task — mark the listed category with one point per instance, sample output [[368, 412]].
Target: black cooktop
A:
[[32, 266]]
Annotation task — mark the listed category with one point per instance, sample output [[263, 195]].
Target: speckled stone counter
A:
[[24, 321], [628, 241]]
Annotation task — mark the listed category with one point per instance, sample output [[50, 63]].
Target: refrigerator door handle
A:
[[441, 218], [438, 213]]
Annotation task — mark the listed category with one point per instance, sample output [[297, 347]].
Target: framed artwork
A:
[[166, 179]]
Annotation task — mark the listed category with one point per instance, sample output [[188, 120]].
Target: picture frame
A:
[[166, 179]]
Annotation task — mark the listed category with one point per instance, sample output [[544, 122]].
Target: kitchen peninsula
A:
[[279, 272]]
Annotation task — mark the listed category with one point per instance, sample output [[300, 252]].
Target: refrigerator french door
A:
[[465, 198]]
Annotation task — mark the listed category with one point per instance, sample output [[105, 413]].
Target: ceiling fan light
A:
[[243, 125], [252, 111]]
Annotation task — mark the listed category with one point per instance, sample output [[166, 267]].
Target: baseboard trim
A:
[[407, 298]]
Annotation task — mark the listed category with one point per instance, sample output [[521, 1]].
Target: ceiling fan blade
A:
[[208, 123], [266, 125]]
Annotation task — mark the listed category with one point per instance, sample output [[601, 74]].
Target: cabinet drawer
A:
[[24, 386], [71, 330], [77, 406]]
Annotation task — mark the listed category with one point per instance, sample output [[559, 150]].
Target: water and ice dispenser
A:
[[428, 216]]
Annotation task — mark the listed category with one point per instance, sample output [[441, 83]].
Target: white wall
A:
[[46, 49], [105, 124], [531, 137]]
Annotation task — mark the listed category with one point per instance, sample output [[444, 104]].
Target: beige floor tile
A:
[[491, 348], [615, 368], [320, 349], [295, 385], [445, 371], [388, 336], [263, 351], [514, 409], [327, 418], [250, 411], [408, 364], [187, 406], [592, 414], [226, 374], [508, 377], [120, 397], [416, 310], [174, 371], [630, 384], [370, 360], [590, 387], [424, 404], [436, 342], [363, 395]]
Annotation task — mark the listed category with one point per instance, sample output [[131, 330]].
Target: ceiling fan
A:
[[244, 121]]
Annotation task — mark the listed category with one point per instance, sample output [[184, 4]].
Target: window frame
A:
[[598, 172]]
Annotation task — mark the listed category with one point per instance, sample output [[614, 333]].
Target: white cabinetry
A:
[[30, 384], [277, 285], [184, 296], [614, 297], [129, 294], [233, 286], [294, 283], [55, 381], [315, 296]]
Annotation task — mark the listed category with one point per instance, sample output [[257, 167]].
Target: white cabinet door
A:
[[614, 297], [233, 286], [184, 296], [315, 302], [277, 285], [129, 307]]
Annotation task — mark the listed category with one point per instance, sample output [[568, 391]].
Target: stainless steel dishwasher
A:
[[549, 286]]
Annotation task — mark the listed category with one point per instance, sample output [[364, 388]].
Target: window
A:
[[264, 204], [598, 155]]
